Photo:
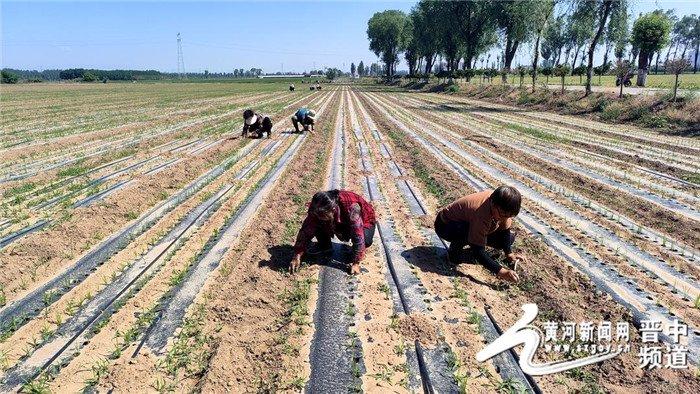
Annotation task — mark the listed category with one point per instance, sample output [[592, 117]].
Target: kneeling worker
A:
[[305, 117], [256, 124], [478, 220], [341, 213]]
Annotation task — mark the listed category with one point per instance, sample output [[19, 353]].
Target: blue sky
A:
[[217, 36]]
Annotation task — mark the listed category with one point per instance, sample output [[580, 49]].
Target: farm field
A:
[[144, 245]]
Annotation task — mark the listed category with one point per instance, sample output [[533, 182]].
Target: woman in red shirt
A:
[[341, 213]]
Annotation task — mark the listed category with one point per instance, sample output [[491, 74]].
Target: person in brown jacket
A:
[[479, 220]]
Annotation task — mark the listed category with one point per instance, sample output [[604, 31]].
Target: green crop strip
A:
[[539, 134], [21, 189], [420, 170], [74, 170]]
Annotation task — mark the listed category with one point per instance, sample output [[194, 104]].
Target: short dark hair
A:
[[508, 199], [248, 113], [324, 201]]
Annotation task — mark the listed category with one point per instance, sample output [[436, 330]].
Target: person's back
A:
[[479, 220], [474, 209], [301, 113], [303, 117]]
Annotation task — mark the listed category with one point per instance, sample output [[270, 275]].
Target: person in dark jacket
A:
[[341, 213], [256, 124], [479, 220], [305, 117]]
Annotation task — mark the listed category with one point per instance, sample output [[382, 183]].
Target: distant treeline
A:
[[79, 73], [90, 75], [112, 75]]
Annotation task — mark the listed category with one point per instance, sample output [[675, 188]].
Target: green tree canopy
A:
[[617, 34], [650, 33], [426, 33], [683, 32], [386, 38], [554, 39], [361, 71], [517, 21], [9, 77], [410, 46]]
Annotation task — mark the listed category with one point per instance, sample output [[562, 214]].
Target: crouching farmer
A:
[[256, 124], [479, 220], [305, 117], [341, 213]]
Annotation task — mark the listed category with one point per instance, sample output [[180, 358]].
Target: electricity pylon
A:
[[180, 59]]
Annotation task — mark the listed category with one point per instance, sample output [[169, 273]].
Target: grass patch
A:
[[431, 184], [463, 297], [423, 173], [296, 301], [590, 382], [693, 179], [37, 386], [539, 134], [20, 189], [462, 378], [74, 170], [191, 351], [99, 369]]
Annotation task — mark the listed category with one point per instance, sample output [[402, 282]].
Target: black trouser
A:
[[456, 234], [296, 122], [265, 128]]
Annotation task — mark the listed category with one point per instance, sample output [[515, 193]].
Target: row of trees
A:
[[252, 73], [361, 70], [8, 77], [34, 75], [114, 75], [90, 75], [459, 34]]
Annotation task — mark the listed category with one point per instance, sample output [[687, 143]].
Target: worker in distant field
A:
[[291, 87], [479, 220], [305, 117], [341, 213], [256, 124]]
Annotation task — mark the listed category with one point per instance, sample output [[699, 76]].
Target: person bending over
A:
[[341, 213], [256, 124], [304, 117], [479, 220]]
